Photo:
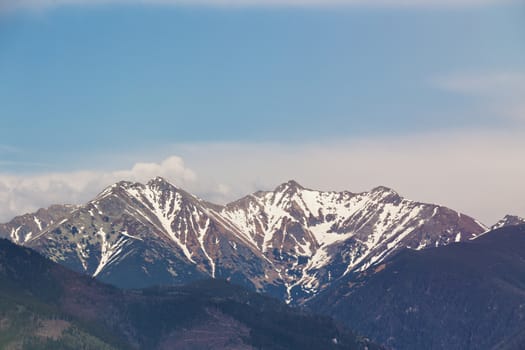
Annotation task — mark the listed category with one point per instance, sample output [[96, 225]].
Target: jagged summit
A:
[[385, 194], [115, 188], [126, 184], [290, 185], [509, 220], [293, 186], [160, 181], [383, 189], [156, 187]]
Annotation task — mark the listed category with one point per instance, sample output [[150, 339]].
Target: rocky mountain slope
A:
[[508, 220], [291, 242], [468, 295], [22, 228], [315, 237], [45, 306]]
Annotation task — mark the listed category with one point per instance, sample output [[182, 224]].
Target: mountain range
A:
[[291, 242]]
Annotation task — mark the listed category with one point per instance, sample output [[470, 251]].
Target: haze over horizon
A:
[[227, 97]]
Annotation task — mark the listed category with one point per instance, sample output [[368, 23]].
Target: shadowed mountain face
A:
[[462, 296], [291, 242], [509, 220], [45, 306]]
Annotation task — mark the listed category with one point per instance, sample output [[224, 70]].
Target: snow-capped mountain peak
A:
[[314, 237]]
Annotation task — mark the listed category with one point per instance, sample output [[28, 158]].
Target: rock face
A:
[[22, 228], [509, 220], [468, 295], [291, 242]]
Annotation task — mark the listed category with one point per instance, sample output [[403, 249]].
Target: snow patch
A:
[[38, 223]]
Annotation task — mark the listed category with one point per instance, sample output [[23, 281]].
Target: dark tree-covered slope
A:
[[462, 296], [45, 306]]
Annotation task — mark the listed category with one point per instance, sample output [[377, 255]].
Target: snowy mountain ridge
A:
[[291, 242], [320, 236]]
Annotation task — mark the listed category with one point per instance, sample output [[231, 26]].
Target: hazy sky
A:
[[227, 97]]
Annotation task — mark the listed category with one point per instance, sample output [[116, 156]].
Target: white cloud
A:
[[20, 194], [501, 94], [171, 168], [490, 83], [43, 4]]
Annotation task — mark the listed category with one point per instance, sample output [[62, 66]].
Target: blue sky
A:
[[100, 88]]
